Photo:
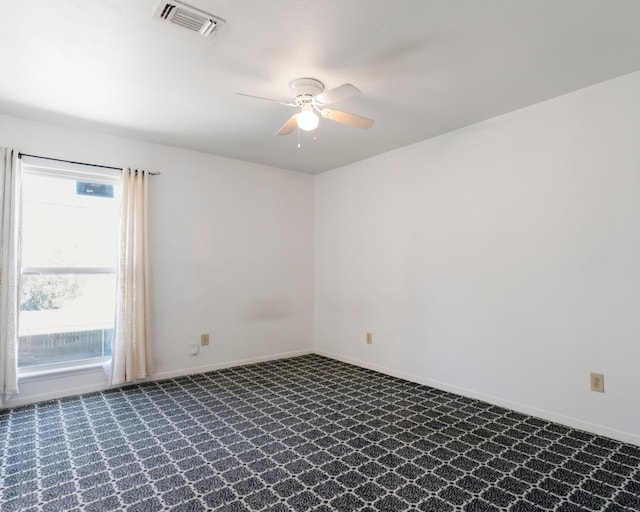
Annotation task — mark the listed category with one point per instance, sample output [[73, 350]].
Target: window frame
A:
[[75, 172]]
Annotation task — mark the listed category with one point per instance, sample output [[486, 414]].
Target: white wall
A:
[[501, 261], [231, 248]]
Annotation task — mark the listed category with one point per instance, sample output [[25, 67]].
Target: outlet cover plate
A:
[[597, 382]]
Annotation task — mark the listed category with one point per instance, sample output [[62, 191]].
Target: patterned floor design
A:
[[301, 434]]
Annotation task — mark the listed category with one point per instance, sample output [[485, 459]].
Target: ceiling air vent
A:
[[188, 17]]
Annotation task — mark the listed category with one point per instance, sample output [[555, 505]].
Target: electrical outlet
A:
[[597, 382], [369, 338], [204, 339]]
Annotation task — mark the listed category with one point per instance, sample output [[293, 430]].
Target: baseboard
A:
[[568, 421], [230, 364], [18, 400]]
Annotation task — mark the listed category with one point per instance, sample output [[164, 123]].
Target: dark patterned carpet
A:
[[300, 434]]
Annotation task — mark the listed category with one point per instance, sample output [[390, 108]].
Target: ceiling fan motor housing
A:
[[304, 89]]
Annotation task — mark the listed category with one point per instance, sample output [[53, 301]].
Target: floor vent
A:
[[188, 17]]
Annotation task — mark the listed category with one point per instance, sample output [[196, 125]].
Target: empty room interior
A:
[[320, 255]]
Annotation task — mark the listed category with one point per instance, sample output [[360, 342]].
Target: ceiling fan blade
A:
[[342, 92], [266, 99], [346, 118], [289, 126]]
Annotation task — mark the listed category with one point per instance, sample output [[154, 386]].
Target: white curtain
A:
[[131, 359], [9, 271]]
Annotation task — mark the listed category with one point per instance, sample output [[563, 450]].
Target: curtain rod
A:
[[20, 155]]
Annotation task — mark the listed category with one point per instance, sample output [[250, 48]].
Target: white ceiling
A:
[[425, 67]]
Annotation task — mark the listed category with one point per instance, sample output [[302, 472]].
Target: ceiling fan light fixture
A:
[[310, 97], [307, 120]]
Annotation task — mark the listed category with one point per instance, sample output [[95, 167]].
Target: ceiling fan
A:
[[310, 97]]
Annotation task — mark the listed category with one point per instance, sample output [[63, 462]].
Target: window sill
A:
[[35, 374]]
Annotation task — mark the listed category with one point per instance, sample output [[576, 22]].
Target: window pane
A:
[[65, 318], [63, 347], [69, 229], [63, 227]]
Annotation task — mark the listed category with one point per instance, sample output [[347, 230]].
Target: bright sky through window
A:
[[69, 254]]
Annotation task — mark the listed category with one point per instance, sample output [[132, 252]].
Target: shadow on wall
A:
[[268, 310]]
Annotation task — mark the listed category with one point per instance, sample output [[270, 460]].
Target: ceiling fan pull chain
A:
[[315, 135], [298, 138]]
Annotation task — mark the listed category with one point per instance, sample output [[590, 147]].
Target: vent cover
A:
[[188, 17]]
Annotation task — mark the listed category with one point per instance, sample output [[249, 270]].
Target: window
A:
[[69, 250]]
